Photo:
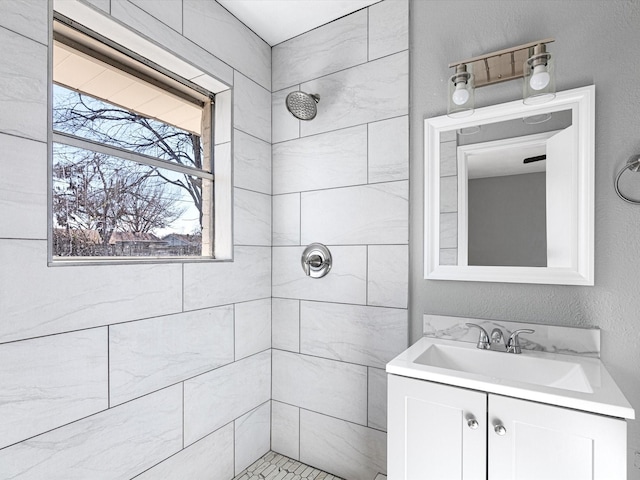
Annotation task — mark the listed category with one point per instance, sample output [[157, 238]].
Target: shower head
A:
[[302, 105]]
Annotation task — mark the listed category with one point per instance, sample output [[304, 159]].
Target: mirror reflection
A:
[[506, 193]]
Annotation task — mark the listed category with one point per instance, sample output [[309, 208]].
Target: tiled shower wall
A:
[[340, 179], [112, 371]]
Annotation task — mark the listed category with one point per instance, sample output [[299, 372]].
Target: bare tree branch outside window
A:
[[107, 206]]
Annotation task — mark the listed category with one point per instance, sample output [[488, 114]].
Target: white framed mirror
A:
[[509, 193]]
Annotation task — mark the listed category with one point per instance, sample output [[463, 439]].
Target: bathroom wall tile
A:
[[222, 121], [377, 411], [39, 300], [168, 12], [138, 434], [334, 388], [251, 107], [30, 19], [388, 28], [389, 150], [248, 277], [333, 159], [23, 104], [448, 159], [252, 327], [150, 354], [252, 163], [285, 429], [49, 381], [104, 5], [212, 27], [388, 275], [252, 218], [215, 398], [286, 324], [345, 283], [369, 214], [373, 91], [150, 26], [448, 256], [448, 194], [546, 338], [352, 333], [210, 458], [348, 450], [284, 125], [449, 230], [23, 204], [335, 46], [253, 436], [286, 219]]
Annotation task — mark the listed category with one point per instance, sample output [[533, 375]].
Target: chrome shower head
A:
[[303, 105]]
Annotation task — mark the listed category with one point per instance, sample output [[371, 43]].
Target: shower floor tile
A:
[[273, 466]]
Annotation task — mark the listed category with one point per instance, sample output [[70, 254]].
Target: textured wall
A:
[[342, 180], [595, 44], [106, 371]]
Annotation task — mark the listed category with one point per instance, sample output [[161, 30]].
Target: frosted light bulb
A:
[[540, 78], [461, 94]]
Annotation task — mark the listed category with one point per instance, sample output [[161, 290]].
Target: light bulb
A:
[[540, 78], [461, 94]]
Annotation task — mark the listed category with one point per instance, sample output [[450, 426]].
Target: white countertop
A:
[[606, 398]]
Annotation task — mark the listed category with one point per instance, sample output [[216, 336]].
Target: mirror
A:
[[509, 193]]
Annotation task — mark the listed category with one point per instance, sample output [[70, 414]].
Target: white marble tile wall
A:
[[215, 398], [329, 160], [210, 458], [342, 448], [23, 204], [336, 46], [377, 412], [26, 19], [50, 381], [117, 443], [333, 388], [252, 327], [212, 27], [108, 371], [23, 104], [346, 283], [151, 354], [353, 333], [285, 429], [252, 163], [286, 324], [338, 217], [253, 436], [340, 179]]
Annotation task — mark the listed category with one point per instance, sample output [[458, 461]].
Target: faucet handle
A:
[[513, 344], [483, 339]]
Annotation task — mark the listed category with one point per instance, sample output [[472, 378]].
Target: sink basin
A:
[[518, 367]]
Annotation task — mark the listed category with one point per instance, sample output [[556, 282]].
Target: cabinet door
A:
[[546, 442], [428, 432]]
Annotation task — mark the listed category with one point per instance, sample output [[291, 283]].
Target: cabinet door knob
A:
[[499, 429], [472, 423]]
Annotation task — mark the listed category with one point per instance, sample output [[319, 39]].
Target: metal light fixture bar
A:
[[502, 65]]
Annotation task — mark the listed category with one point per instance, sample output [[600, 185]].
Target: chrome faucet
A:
[[496, 341]]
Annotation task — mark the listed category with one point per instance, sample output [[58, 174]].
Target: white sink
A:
[[498, 365], [570, 381]]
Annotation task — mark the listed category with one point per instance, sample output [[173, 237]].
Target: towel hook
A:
[[633, 164]]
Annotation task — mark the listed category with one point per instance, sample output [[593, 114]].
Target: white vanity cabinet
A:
[[441, 432]]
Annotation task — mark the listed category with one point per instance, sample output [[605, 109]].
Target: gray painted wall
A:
[[593, 39], [508, 221]]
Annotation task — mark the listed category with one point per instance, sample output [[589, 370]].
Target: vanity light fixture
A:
[[530, 61]]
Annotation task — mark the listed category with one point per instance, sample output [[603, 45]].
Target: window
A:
[[132, 161]]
